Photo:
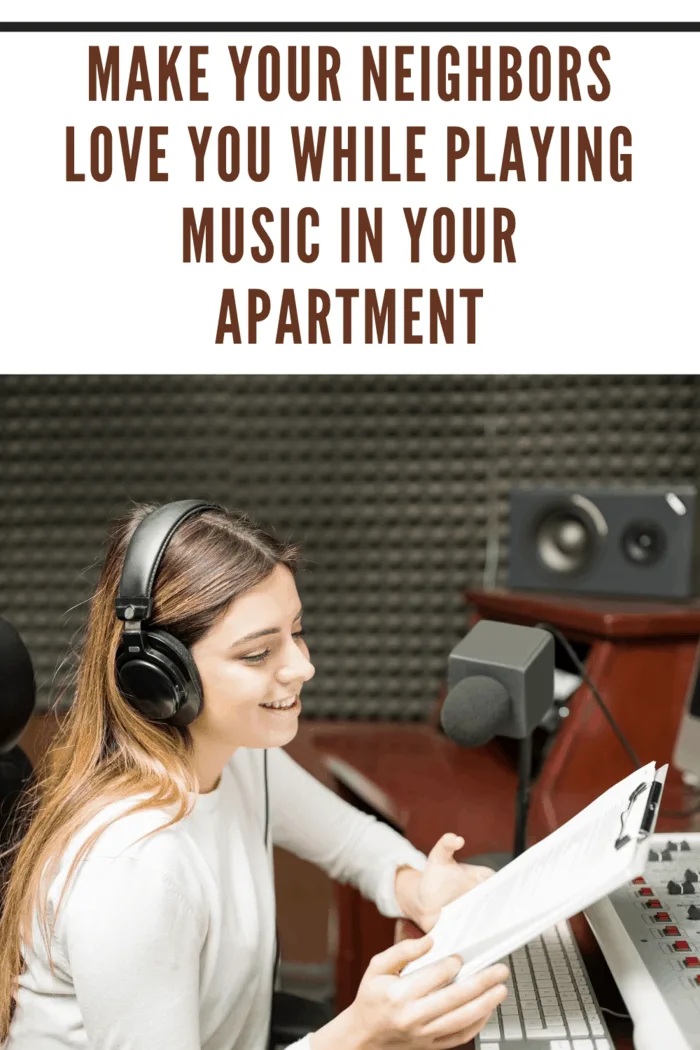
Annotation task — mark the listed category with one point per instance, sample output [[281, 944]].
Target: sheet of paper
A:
[[565, 684], [554, 879]]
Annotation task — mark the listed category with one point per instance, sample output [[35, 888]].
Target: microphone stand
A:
[[522, 799], [522, 807]]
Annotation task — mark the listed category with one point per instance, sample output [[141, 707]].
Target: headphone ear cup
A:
[[176, 649], [159, 678]]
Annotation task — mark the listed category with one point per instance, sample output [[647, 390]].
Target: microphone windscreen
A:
[[474, 710], [17, 691]]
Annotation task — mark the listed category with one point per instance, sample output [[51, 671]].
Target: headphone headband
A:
[[144, 554]]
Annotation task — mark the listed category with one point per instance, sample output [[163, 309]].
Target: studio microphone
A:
[[475, 711], [500, 683], [17, 696], [17, 690]]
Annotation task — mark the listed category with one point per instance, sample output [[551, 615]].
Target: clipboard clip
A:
[[647, 818]]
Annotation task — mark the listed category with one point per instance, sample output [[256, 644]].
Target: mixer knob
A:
[[693, 912], [690, 876], [674, 887], [684, 845], [672, 845], [688, 887], [666, 855], [653, 856]]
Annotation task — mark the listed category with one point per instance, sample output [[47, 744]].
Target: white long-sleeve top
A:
[[168, 943]]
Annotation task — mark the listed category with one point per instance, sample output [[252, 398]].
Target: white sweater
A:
[[168, 943]]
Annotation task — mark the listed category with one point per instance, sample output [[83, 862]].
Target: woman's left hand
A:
[[423, 894]]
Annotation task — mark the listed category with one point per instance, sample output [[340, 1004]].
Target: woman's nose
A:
[[297, 665]]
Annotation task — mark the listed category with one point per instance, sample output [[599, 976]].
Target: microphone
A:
[[17, 691], [501, 683], [17, 694], [475, 711]]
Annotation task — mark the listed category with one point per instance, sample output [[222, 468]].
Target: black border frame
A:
[[350, 27]]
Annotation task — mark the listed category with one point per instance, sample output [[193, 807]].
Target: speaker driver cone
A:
[[643, 542], [566, 539]]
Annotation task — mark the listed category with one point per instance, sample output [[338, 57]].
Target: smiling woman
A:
[[146, 866]]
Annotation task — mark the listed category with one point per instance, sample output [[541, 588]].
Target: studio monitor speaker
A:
[[605, 540]]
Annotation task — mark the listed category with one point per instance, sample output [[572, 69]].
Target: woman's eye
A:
[[256, 658]]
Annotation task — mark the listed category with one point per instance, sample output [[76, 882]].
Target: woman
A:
[[139, 913]]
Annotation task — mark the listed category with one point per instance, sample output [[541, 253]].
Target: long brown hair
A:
[[105, 750]]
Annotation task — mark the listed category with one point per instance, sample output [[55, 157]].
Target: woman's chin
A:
[[284, 734]]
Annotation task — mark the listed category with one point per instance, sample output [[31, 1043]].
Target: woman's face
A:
[[253, 663]]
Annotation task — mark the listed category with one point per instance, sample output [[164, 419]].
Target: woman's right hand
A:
[[424, 1011]]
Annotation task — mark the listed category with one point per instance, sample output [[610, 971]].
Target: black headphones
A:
[[155, 671]]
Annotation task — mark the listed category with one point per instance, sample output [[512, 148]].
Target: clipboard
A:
[[651, 809], [586, 859]]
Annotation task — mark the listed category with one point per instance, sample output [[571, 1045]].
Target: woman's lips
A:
[[294, 706]]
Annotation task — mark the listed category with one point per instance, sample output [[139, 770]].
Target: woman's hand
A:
[[421, 895], [424, 1011]]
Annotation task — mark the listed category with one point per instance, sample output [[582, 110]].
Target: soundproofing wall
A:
[[396, 486]]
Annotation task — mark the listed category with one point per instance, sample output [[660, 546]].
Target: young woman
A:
[[139, 912]]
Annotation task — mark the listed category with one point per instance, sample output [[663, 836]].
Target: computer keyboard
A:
[[550, 1003]]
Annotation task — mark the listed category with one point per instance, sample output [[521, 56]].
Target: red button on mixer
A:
[[638, 882], [653, 904], [691, 961], [662, 916], [681, 946], [646, 892], [670, 931]]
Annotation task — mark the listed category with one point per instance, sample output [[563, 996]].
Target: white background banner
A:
[[572, 273]]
